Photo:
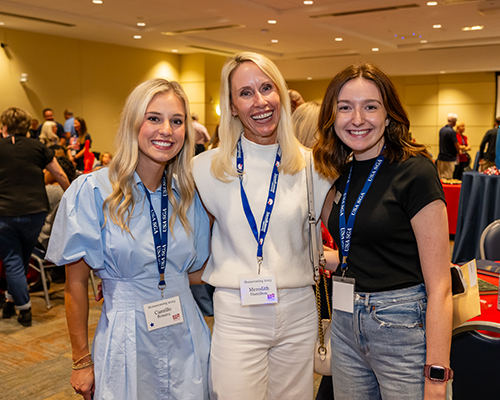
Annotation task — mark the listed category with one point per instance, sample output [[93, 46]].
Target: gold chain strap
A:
[[321, 334], [320, 324], [327, 297]]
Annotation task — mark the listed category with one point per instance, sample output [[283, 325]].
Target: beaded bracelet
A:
[[82, 366], [76, 366], [81, 358]]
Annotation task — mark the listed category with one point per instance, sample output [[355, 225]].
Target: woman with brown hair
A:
[[392, 306], [76, 148], [23, 205]]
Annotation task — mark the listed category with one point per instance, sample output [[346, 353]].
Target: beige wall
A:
[[91, 78], [94, 79], [213, 68], [200, 77], [428, 99]]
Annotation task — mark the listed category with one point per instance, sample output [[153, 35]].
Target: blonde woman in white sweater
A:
[[254, 186]]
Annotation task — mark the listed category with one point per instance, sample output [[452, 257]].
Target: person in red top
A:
[[463, 157]]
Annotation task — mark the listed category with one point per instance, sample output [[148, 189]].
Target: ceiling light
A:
[[375, 49], [338, 39], [137, 37], [442, 72], [308, 3], [423, 41], [437, 26], [309, 78], [141, 24], [272, 22], [466, 28], [174, 50], [2, 23], [477, 27], [97, 1], [274, 41], [432, 3]]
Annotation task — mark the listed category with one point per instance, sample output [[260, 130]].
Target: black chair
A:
[[475, 360], [489, 244]]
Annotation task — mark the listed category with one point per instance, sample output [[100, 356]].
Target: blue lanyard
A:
[[160, 240], [346, 229], [273, 186]]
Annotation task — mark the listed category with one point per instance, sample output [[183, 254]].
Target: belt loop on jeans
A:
[[367, 299]]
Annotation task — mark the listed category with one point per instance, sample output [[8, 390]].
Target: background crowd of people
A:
[[38, 163], [454, 159]]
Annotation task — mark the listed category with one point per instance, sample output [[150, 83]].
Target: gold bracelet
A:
[[81, 358], [82, 366]]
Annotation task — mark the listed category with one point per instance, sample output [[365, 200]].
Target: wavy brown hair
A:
[[331, 154], [83, 130]]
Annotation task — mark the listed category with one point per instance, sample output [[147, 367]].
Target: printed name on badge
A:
[[258, 289], [163, 313]]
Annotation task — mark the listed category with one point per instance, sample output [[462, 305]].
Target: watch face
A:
[[437, 373]]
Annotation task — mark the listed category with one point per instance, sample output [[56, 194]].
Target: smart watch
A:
[[438, 373]]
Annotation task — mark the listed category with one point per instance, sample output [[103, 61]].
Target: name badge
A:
[[258, 289], [337, 198], [343, 294], [163, 313]]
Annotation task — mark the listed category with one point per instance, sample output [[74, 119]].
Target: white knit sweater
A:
[[234, 248]]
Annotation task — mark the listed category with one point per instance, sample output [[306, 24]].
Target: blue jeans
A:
[[379, 351], [18, 236]]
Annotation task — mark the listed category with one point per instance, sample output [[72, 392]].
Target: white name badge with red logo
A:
[[163, 313], [258, 289]]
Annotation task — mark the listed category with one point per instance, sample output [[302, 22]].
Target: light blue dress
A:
[[130, 362]]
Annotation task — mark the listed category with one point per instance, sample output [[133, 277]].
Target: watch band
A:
[[438, 373]]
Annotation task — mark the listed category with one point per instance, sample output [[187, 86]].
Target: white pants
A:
[[263, 352]]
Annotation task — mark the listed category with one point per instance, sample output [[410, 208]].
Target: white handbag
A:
[[323, 349]]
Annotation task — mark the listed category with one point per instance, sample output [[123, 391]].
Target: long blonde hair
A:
[[230, 128], [121, 202], [305, 123], [47, 135]]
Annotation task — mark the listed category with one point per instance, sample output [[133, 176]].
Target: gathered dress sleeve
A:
[[77, 231]]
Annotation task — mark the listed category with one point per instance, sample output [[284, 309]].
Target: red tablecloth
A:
[[489, 311], [452, 196]]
